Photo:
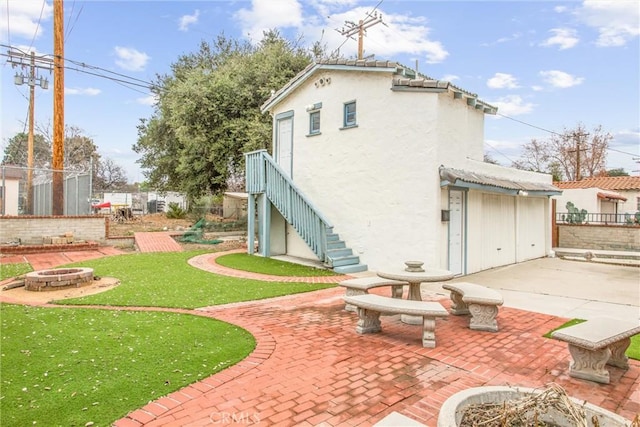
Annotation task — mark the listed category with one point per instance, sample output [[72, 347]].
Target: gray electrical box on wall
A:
[[444, 215]]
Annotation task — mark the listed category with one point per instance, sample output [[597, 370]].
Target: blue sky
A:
[[549, 64]]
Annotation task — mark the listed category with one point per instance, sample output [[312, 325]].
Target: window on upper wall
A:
[[638, 203], [350, 114], [314, 118], [314, 122]]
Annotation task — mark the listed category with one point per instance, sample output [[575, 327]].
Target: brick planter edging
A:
[[35, 249]]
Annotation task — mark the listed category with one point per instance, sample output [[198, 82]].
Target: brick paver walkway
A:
[[157, 241], [311, 368]]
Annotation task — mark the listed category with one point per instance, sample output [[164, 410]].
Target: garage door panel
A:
[[532, 228], [498, 230]]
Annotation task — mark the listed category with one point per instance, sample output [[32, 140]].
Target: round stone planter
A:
[[453, 408]]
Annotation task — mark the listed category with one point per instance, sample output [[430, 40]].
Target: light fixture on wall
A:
[[522, 193]]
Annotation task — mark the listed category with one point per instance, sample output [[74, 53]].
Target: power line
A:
[[529, 124], [47, 59], [8, 24], [623, 152], [497, 151], [35, 33]]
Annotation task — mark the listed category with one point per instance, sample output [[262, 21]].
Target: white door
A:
[[456, 248], [498, 230], [284, 144], [532, 221]]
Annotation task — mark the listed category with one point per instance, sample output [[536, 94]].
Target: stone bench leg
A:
[[368, 322], [396, 291], [589, 364], [483, 317], [618, 358], [352, 292], [428, 332], [458, 307]]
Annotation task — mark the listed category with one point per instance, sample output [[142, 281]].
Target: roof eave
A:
[[312, 69]]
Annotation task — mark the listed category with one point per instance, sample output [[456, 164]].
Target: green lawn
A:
[[258, 264], [166, 280], [71, 366], [633, 352], [14, 270]]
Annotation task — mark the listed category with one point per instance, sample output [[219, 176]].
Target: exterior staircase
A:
[[264, 176]]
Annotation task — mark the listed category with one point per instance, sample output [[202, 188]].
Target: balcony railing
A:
[[598, 218]]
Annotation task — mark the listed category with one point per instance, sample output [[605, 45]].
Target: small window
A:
[[314, 123], [638, 204], [350, 114]]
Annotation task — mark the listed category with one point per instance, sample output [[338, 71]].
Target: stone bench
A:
[[595, 343], [370, 307], [362, 285], [479, 301]]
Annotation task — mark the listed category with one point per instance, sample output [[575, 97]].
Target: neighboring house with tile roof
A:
[[374, 164], [601, 195]]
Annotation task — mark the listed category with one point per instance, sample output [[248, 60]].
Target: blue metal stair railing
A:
[[265, 176]]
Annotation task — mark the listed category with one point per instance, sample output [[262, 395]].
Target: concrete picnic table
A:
[[414, 275]]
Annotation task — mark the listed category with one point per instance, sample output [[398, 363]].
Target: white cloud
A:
[[130, 58], [617, 22], [512, 105], [450, 77], [401, 34], [147, 100], [25, 18], [560, 79], [513, 36], [560, 9], [185, 21], [564, 38], [503, 81], [537, 88], [268, 14], [82, 91]]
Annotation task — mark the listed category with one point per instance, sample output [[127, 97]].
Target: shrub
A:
[[175, 211]]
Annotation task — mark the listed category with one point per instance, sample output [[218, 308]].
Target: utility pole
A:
[[363, 24], [20, 59], [576, 137], [57, 162]]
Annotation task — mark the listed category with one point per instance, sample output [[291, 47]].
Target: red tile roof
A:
[[609, 196], [604, 183]]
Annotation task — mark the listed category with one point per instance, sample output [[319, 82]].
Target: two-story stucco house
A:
[[373, 165]]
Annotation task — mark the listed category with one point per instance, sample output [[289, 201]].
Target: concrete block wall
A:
[[602, 237], [31, 229]]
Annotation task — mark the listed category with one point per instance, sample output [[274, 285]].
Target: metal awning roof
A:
[[468, 179]]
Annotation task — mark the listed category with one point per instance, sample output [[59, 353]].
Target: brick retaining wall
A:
[[602, 237], [31, 229]]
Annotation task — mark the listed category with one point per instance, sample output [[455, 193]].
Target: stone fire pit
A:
[[452, 411], [57, 278]]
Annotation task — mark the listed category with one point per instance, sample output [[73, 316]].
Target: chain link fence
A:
[[25, 191]]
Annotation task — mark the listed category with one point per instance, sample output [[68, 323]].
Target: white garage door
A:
[[498, 230], [531, 230]]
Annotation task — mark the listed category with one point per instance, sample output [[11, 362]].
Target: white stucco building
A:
[[393, 163], [601, 195]]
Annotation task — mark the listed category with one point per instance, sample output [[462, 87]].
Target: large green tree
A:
[[80, 154], [208, 112], [16, 151], [572, 155]]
